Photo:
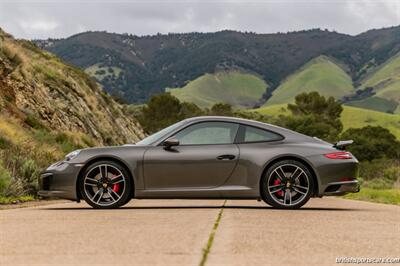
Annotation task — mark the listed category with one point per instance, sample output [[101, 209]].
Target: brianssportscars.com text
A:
[[358, 260]]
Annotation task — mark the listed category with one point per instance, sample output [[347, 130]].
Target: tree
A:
[[224, 109], [372, 142], [190, 110], [163, 110], [315, 104], [314, 115]]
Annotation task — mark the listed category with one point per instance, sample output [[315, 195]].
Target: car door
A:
[[205, 157]]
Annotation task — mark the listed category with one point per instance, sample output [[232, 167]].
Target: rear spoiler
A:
[[341, 145]]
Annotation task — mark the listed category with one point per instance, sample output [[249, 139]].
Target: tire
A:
[[287, 184], [106, 185]]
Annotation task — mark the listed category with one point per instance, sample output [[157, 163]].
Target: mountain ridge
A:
[[136, 67]]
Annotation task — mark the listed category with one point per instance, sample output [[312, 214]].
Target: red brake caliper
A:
[[277, 182], [115, 186]]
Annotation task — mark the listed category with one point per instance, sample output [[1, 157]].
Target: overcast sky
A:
[[62, 18]]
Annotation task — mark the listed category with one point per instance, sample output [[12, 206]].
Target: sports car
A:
[[209, 157]]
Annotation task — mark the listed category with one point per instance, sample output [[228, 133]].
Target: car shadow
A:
[[200, 207]]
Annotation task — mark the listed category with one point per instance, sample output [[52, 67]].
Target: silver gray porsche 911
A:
[[207, 157]]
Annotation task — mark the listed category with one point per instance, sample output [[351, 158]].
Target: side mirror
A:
[[168, 143]]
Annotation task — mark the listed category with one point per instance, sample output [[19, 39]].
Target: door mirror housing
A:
[[171, 142]]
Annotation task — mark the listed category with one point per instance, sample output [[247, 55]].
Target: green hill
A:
[[351, 117], [385, 81], [233, 87], [320, 74]]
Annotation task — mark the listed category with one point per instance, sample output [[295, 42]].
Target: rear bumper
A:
[[335, 177], [59, 181], [342, 188]]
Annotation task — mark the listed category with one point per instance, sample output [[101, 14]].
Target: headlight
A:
[[72, 155]]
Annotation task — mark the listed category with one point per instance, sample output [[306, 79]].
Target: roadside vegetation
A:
[[387, 196], [25, 150]]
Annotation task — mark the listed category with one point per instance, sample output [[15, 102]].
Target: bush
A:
[[379, 173], [67, 144], [34, 123], [221, 109], [372, 142], [392, 173], [5, 178], [4, 143], [22, 171], [87, 141], [378, 183]]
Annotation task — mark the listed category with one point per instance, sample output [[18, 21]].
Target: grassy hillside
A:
[[320, 74], [233, 87], [37, 84], [377, 104], [351, 117], [49, 108], [385, 81]]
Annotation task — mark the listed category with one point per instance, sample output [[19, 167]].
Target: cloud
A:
[[44, 18], [38, 25]]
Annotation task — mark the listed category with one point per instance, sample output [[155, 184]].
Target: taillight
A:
[[339, 155]]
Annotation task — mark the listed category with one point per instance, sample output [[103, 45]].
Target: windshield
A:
[[154, 137]]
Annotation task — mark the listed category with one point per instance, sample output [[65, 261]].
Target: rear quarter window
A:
[[253, 134]]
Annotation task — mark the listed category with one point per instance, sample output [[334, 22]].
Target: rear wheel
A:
[[105, 184], [287, 184]]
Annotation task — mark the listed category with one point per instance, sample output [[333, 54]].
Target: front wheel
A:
[[105, 185], [287, 184]]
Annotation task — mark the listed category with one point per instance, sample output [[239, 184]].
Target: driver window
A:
[[208, 133]]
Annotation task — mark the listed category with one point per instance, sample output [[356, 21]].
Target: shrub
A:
[[67, 144], [33, 122], [5, 178], [88, 141], [14, 58], [372, 142], [221, 109], [379, 173], [4, 143], [21, 170], [378, 183], [392, 173]]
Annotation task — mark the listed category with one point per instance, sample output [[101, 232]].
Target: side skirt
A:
[[234, 192]]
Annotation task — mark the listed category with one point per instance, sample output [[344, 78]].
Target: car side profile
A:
[[209, 157]]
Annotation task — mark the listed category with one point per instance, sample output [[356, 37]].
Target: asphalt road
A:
[[176, 232]]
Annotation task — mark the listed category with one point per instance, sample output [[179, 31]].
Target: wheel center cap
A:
[[288, 184], [104, 185]]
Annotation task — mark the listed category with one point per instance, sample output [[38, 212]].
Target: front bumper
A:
[[59, 181]]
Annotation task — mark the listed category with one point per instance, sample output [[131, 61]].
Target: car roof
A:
[[223, 118]]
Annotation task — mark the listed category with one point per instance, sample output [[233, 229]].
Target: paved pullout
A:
[[151, 232], [175, 232], [315, 235]]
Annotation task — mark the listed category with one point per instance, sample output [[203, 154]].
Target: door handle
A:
[[226, 157]]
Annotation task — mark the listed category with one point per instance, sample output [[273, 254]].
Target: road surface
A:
[[177, 232]]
